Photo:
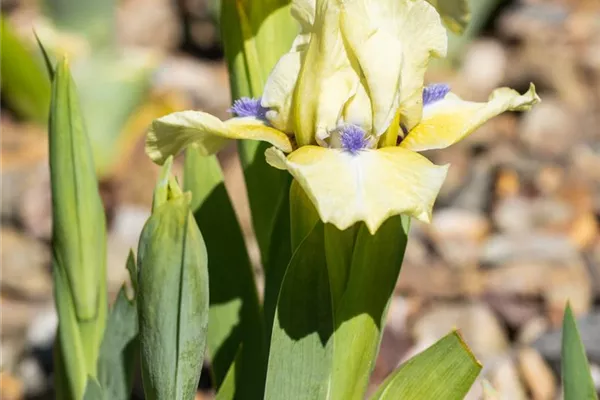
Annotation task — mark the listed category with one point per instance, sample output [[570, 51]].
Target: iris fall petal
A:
[[451, 119], [172, 133], [369, 186]]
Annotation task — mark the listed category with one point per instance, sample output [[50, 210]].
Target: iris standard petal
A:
[[369, 186], [279, 90], [304, 12], [451, 119], [378, 50], [172, 133], [281, 83], [357, 110], [393, 41], [326, 80]]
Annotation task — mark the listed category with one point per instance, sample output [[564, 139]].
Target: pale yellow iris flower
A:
[[346, 111]]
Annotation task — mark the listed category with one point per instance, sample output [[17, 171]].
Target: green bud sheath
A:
[[172, 296]]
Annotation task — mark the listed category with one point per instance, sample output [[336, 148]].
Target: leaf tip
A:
[[456, 332], [45, 54]]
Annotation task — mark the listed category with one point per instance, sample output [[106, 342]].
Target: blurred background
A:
[[515, 231]]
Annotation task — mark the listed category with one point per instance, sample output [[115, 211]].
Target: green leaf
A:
[[62, 386], [255, 35], [93, 391], [78, 212], [91, 18], [47, 60], [172, 299], [133, 272], [303, 215], [464, 22], [339, 249], [78, 237], [446, 370], [301, 352], [25, 86], [356, 273], [112, 88], [120, 347], [227, 389], [297, 217], [455, 13], [362, 294], [280, 253], [575, 370], [236, 320], [267, 194]]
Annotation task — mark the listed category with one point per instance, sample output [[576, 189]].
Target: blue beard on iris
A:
[[248, 107], [431, 94], [353, 137]]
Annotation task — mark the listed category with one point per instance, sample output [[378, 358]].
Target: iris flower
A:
[[347, 112]]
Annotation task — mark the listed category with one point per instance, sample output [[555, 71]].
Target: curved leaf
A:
[[446, 370]]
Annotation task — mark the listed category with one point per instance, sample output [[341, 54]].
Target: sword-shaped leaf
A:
[[575, 370], [236, 330], [446, 370], [78, 238]]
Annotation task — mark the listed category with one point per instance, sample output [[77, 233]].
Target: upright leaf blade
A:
[[173, 298], [76, 202], [366, 288], [267, 194], [297, 217], [255, 35], [575, 369], [78, 238], [227, 390], [236, 331], [301, 351], [360, 271], [446, 370], [120, 347]]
